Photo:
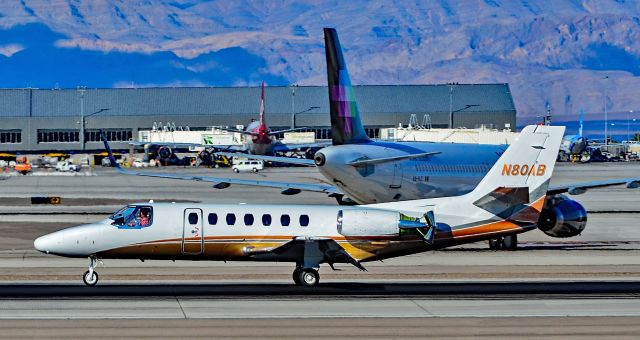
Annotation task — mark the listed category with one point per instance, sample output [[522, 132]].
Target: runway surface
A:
[[588, 286], [332, 328], [265, 291]]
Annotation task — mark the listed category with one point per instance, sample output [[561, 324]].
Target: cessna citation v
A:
[[512, 198]]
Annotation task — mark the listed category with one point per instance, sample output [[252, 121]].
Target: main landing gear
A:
[[306, 277], [509, 242], [90, 277]]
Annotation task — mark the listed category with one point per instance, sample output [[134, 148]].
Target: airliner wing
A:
[[289, 130], [237, 148], [580, 188], [221, 183], [289, 160], [288, 188], [237, 131], [286, 147]]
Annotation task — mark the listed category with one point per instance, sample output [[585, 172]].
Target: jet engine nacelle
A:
[[165, 153], [205, 156], [368, 222], [562, 217]]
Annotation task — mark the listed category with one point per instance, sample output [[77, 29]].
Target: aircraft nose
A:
[[45, 243]]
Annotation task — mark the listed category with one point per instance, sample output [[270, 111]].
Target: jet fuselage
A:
[[454, 171]]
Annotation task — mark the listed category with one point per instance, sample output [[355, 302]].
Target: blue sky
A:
[[43, 65]]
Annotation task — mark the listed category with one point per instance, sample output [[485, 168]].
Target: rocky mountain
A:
[[571, 54]]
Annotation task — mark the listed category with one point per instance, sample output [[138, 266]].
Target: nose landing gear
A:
[[90, 277]]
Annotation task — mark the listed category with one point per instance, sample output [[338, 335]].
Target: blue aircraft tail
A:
[[346, 126]]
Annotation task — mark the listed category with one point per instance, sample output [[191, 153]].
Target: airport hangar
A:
[[42, 120]]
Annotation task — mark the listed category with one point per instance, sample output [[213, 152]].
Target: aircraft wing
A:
[[282, 147], [288, 188], [238, 148], [289, 160], [580, 188], [289, 130], [221, 183], [237, 131], [307, 250]]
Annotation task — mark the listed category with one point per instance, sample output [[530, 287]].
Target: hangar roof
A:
[[245, 100]]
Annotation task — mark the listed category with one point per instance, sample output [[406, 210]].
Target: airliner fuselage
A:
[[453, 169]]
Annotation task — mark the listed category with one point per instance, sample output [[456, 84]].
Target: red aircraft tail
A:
[[262, 122]]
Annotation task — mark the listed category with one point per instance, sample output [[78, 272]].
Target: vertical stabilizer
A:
[[527, 163], [262, 122], [346, 126], [581, 123]]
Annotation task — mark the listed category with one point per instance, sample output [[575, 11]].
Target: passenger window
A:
[[248, 219], [285, 220], [266, 220], [231, 219], [193, 218], [213, 218], [304, 220]]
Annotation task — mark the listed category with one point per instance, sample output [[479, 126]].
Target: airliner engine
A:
[[205, 156], [562, 217], [165, 153], [373, 222]]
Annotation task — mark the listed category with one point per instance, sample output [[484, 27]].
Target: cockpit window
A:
[[133, 217]]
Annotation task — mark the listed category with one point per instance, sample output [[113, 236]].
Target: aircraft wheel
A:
[[255, 170], [510, 242], [236, 170], [309, 277], [296, 276], [90, 280], [495, 243]]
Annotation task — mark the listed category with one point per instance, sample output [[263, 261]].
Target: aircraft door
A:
[[192, 233], [396, 180]]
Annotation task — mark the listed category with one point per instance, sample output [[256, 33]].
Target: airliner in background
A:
[[260, 141], [363, 171], [360, 170], [512, 198]]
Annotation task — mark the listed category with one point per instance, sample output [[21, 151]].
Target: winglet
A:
[[109, 152], [346, 126]]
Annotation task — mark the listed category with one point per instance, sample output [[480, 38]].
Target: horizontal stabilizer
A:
[[289, 130], [237, 131], [362, 162], [581, 188]]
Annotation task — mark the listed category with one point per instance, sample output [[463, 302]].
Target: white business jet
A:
[[507, 201]]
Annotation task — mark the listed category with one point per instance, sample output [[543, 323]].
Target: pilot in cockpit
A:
[[142, 219]]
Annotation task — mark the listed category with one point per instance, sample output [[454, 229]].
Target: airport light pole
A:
[[629, 124], [606, 115], [81, 90], [451, 105], [83, 122], [458, 110], [293, 106], [293, 116]]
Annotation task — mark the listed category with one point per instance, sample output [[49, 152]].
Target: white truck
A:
[[67, 166]]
